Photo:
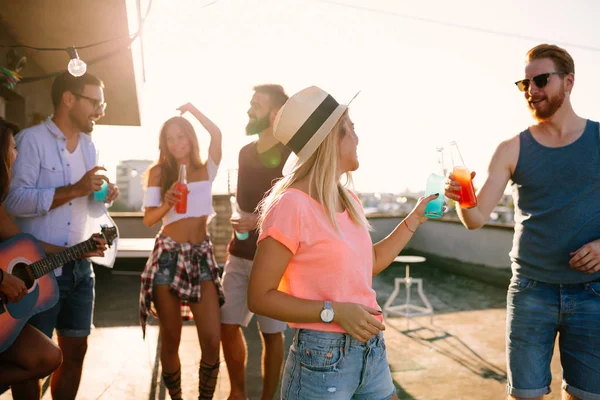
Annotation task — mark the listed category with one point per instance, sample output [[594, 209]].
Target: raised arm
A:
[[388, 248], [500, 171], [215, 148]]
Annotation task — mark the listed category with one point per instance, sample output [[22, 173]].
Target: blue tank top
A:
[[556, 193]]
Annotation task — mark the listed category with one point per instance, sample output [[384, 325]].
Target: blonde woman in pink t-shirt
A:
[[315, 260]]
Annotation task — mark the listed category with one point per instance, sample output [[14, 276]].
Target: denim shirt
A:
[[40, 168]]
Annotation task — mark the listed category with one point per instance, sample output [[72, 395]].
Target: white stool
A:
[[408, 310]]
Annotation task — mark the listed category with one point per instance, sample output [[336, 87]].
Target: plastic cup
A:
[[435, 208], [100, 195]]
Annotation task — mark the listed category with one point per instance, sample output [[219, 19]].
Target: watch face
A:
[[327, 315]]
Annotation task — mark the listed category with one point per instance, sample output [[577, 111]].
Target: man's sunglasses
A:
[[539, 80], [95, 102]]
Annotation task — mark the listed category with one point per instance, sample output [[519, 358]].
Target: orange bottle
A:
[[468, 199], [181, 186]]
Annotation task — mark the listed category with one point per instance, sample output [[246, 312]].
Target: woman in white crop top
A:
[[181, 278]]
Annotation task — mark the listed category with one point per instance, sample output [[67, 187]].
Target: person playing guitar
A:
[[52, 197], [32, 355]]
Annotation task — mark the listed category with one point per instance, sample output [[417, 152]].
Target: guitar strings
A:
[[23, 273]]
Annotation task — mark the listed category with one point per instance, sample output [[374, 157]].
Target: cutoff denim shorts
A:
[[335, 366], [536, 313], [167, 264], [72, 316]]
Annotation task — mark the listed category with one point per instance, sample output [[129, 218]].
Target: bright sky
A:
[[429, 72]]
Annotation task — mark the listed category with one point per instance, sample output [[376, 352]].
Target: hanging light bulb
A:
[[76, 66]]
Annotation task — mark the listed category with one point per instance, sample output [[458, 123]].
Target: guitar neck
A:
[[50, 263]]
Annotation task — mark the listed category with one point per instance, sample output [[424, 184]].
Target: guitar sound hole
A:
[[23, 272]]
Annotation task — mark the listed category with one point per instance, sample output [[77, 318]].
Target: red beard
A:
[[552, 105]]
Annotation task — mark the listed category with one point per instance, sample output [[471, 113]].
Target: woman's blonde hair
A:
[[323, 185]]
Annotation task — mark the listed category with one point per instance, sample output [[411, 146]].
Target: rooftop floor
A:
[[460, 356]]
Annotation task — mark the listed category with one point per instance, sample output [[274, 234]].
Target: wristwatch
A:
[[327, 313]]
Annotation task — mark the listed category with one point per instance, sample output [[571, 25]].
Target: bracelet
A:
[[407, 227]]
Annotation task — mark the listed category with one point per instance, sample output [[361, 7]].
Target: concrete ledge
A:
[[449, 239], [499, 277], [135, 247]]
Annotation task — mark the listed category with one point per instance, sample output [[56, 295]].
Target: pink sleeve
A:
[[283, 222]]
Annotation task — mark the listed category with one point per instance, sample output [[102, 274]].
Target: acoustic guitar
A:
[[23, 256]]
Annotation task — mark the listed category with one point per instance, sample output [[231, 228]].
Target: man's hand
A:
[[90, 182], [453, 188], [245, 223], [113, 193], [100, 247], [587, 258]]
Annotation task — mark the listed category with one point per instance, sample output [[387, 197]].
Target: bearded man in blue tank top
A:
[[554, 171]]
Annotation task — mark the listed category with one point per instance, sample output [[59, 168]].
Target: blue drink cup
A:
[[241, 235], [101, 194], [435, 208]]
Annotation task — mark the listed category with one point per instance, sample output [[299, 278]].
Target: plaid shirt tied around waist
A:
[[186, 282]]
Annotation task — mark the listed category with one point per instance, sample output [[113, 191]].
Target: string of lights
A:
[[93, 61], [76, 66]]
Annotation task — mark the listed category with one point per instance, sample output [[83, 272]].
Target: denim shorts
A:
[[536, 312], [167, 265], [73, 314], [334, 366]]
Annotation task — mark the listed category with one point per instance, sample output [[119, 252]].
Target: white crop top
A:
[[199, 202]]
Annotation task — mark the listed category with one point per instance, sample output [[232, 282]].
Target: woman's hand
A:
[[357, 320], [416, 217], [186, 107], [172, 196], [13, 288]]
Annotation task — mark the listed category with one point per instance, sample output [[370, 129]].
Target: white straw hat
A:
[[304, 122]]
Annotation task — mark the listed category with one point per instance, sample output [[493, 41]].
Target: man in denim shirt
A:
[[53, 179]]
